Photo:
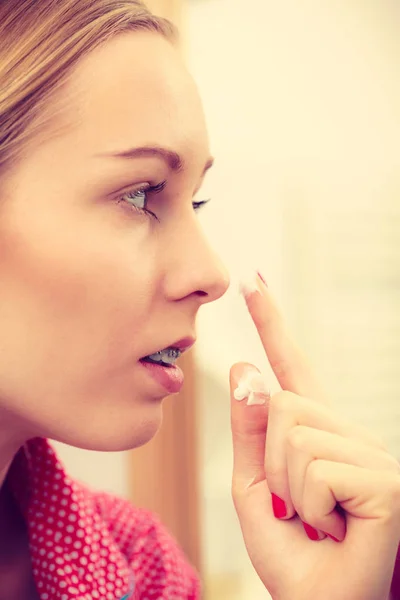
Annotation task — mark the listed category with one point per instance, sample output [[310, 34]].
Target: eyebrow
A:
[[174, 161]]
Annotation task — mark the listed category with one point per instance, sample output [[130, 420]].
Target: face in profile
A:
[[102, 258]]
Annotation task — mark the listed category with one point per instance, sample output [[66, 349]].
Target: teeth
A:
[[168, 356]]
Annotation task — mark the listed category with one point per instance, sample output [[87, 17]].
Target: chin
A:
[[114, 434]]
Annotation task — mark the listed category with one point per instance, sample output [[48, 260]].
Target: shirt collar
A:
[[72, 551]]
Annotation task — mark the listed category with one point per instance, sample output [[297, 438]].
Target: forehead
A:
[[135, 89]]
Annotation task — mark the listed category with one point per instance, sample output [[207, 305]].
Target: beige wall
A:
[[303, 104], [172, 9]]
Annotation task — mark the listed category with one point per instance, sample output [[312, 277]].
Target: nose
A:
[[193, 268]]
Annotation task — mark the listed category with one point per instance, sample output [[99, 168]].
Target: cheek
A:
[[76, 288]]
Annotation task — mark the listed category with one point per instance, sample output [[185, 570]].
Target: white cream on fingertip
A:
[[248, 282], [253, 387]]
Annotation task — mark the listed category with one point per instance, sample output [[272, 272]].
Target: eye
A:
[[198, 205], [137, 199]]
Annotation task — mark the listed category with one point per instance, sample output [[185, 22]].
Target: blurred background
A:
[[303, 107]]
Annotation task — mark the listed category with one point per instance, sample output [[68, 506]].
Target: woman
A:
[[103, 268]]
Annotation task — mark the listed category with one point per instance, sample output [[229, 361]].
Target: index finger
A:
[[290, 366]]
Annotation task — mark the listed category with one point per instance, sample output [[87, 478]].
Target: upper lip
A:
[[182, 345]]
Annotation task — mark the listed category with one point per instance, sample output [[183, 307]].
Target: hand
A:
[[332, 475]]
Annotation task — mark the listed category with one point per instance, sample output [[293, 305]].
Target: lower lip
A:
[[171, 378]]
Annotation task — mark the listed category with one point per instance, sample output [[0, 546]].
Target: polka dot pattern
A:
[[87, 545]]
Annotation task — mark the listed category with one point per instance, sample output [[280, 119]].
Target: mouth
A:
[[168, 356]]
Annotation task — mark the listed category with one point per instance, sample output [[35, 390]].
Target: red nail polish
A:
[[278, 506], [311, 532], [332, 537], [262, 278]]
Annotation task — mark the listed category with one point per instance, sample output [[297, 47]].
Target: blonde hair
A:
[[40, 42]]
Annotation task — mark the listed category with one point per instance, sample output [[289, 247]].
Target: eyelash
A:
[[153, 189]]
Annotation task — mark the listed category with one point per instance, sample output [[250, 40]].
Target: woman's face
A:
[[89, 284]]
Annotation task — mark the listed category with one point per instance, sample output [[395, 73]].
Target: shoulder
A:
[[114, 543], [158, 563]]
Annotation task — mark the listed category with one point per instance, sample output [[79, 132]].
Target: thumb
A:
[[249, 419]]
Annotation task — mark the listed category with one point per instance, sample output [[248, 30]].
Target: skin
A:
[[299, 448], [88, 284]]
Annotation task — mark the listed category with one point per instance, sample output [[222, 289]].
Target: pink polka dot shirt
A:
[[87, 545]]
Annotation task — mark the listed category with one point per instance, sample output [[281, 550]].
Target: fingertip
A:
[[262, 279], [238, 370], [333, 538], [249, 282], [278, 506], [248, 383], [313, 534], [282, 509]]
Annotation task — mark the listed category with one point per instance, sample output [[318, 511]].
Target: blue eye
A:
[[137, 199], [140, 196]]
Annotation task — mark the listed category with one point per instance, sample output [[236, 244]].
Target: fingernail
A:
[[332, 537], [262, 278], [278, 506], [311, 532]]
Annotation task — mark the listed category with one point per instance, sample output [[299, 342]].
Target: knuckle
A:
[[297, 437], [315, 473], [275, 474], [309, 515]]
